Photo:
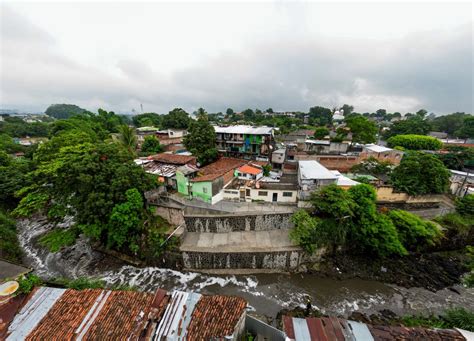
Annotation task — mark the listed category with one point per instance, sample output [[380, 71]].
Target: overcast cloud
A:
[[288, 56]]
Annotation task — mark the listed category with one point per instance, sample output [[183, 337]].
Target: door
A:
[[275, 197]]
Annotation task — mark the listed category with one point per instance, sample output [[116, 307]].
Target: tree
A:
[[421, 113], [465, 206], [415, 142], [61, 111], [373, 166], [269, 110], [363, 130], [229, 112], [448, 123], [149, 119], [128, 138], [321, 132], [347, 109], [12, 178], [412, 125], [458, 157], [151, 145], [176, 119], [467, 129], [86, 181], [414, 232], [420, 173], [320, 116], [201, 140]]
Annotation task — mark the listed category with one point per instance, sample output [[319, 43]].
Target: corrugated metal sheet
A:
[[32, 313], [170, 324], [301, 329], [360, 331]]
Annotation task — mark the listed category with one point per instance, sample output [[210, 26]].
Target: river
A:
[[266, 293]]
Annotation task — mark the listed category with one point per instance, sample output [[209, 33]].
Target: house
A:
[[278, 158], [281, 190], [248, 172], [322, 147], [343, 181], [211, 180], [143, 132], [183, 175], [313, 176], [461, 183], [381, 153], [245, 141], [96, 314], [165, 166]]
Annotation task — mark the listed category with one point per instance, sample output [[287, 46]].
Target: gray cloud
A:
[[432, 69]]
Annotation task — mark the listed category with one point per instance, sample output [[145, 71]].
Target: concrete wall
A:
[[280, 260], [238, 222], [254, 195], [174, 216]]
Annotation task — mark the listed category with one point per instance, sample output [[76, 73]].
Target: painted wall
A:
[[254, 195], [202, 190], [182, 183]]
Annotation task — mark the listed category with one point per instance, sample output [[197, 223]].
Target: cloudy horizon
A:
[[284, 55]]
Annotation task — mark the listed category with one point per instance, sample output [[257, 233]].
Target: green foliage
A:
[[363, 130], [457, 222], [83, 283], [420, 173], [151, 145], [201, 140], [415, 142], [448, 123], [414, 232], [332, 202], [465, 206], [125, 222], [17, 127], [320, 116], [56, 239], [266, 170], [9, 246], [28, 283], [304, 232], [176, 119], [467, 130], [321, 132], [451, 318], [413, 125], [458, 157], [61, 111], [127, 138], [149, 119], [34, 201], [373, 166], [12, 178]]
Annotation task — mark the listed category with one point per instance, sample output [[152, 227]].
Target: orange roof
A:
[[249, 170], [173, 158], [221, 166]]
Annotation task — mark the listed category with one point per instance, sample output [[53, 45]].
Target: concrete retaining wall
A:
[[172, 215], [279, 260], [238, 222]]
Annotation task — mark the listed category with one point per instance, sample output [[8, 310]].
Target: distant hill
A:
[[62, 111]]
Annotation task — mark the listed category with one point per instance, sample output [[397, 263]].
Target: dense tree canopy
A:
[[149, 119], [61, 111], [321, 132], [412, 125], [448, 123], [201, 139], [320, 116], [363, 130], [467, 129], [151, 145], [420, 173], [17, 127], [176, 119], [458, 157], [415, 142]]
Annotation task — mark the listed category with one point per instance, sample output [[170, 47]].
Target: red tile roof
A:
[[208, 177], [223, 165], [250, 170], [215, 317], [174, 158]]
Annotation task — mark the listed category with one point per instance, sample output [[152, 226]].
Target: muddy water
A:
[[266, 293]]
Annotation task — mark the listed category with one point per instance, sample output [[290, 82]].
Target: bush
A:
[[415, 142], [465, 206], [455, 221], [151, 145], [82, 283], [304, 232], [414, 232], [452, 318], [28, 282], [57, 239]]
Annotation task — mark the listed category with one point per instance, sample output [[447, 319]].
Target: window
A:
[[247, 192], [262, 193], [204, 190], [287, 194]]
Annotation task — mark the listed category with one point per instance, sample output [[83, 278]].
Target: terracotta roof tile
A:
[[215, 317], [250, 170], [223, 165], [174, 158]]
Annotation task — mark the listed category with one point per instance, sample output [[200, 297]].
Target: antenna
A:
[[141, 106]]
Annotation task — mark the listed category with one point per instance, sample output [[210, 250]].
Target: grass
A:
[[57, 239], [452, 318]]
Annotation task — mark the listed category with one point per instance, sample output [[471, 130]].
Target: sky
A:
[[285, 55]]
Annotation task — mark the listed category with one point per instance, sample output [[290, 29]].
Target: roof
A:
[[331, 328], [244, 129], [337, 117], [159, 168], [249, 170], [376, 148], [96, 314], [187, 169], [173, 158], [343, 180], [311, 169], [221, 166], [323, 142], [205, 178]]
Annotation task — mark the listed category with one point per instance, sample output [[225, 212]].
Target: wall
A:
[[198, 189], [182, 183], [279, 260], [238, 222], [174, 216], [269, 197]]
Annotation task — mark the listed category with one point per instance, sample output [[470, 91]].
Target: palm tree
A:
[[128, 138]]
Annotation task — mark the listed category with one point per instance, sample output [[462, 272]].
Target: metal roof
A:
[[376, 148], [244, 129], [311, 169], [343, 180], [322, 142]]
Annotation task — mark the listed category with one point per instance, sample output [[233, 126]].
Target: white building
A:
[[312, 176]]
